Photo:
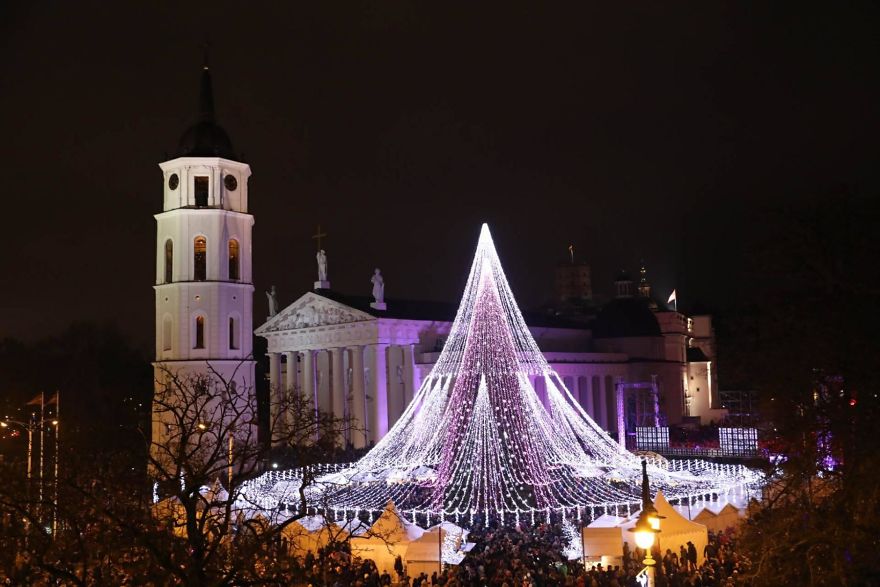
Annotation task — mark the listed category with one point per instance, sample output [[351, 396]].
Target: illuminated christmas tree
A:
[[477, 440]]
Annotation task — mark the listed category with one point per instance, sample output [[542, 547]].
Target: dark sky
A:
[[635, 129]]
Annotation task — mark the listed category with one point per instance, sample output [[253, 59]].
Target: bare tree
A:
[[189, 516]]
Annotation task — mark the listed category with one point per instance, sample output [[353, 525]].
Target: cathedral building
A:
[[632, 363]]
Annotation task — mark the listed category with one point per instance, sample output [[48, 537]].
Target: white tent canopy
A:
[[311, 533], [675, 530], [444, 541], [389, 537]]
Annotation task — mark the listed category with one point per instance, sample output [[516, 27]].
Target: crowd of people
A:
[[533, 557]]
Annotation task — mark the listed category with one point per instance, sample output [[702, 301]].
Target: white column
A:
[[290, 379], [411, 386], [274, 372], [603, 405], [589, 393], [378, 391], [396, 384], [324, 389], [619, 409], [338, 383], [358, 402], [276, 391], [308, 384]]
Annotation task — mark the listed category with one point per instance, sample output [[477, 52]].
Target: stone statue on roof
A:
[[272, 298], [322, 265], [378, 287]]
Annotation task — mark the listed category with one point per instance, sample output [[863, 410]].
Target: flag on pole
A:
[[38, 399], [672, 298]]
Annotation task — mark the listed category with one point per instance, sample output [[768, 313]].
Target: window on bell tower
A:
[[200, 254], [200, 333], [201, 190], [169, 261], [233, 259], [167, 328], [233, 333]]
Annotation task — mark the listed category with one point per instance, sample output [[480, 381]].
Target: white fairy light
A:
[[476, 438], [574, 548]]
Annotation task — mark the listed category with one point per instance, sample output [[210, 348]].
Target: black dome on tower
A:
[[205, 138]]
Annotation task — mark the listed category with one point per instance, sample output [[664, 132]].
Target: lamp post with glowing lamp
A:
[[647, 526], [30, 432], [29, 427]]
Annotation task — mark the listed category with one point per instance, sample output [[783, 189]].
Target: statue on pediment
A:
[[378, 287], [322, 265]]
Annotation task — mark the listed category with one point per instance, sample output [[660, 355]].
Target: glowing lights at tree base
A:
[[477, 443]]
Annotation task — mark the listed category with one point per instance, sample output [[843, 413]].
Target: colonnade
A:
[[368, 386], [596, 394]]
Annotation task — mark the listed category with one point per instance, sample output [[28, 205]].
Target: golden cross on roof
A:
[[318, 236]]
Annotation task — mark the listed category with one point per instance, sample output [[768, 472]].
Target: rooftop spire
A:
[[205, 138], [205, 48], [206, 95]]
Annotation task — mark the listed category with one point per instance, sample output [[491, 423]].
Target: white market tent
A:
[[605, 536], [675, 530], [607, 521], [444, 540], [310, 534], [389, 537], [719, 517], [602, 544]]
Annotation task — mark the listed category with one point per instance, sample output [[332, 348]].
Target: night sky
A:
[[633, 130]]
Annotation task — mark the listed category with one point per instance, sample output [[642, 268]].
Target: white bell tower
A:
[[204, 287]]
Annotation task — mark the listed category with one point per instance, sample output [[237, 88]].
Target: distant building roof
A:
[[626, 317], [434, 311]]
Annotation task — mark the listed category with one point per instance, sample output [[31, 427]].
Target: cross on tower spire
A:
[[318, 236]]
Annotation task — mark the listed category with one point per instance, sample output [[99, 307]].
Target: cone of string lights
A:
[[478, 443]]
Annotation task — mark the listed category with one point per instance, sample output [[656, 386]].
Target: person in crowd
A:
[[531, 557]]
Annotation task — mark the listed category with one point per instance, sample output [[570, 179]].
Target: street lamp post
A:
[[30, 432], [645, 540], [30, 427], [647, 526]]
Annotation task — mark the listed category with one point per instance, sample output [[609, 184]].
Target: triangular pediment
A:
[[310, 311]]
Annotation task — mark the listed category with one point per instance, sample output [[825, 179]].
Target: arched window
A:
[[200, 333], [167, 328], [200, 254], [233, 259], [233, 333], [169, 261]]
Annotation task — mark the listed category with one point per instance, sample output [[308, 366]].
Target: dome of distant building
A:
[[626, 317]]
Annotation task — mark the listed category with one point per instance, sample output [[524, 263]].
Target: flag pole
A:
[[42, 445], [57, 430]]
